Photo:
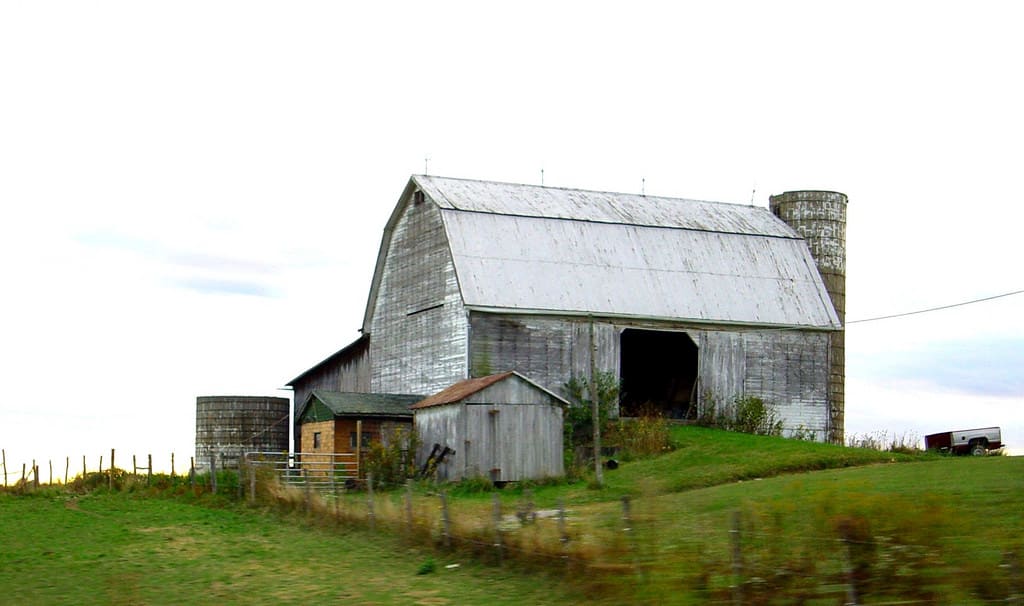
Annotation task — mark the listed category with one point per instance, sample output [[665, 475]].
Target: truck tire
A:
[[978, 449]]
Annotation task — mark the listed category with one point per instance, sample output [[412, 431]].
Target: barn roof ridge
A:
[[604, 207]]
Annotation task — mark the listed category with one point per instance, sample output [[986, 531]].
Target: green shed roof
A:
[[324, 405]]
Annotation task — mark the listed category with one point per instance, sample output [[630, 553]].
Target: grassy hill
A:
[[808, 522]]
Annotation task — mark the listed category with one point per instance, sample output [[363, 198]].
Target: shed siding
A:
[[418, 327], [443, 425], [515, 441]]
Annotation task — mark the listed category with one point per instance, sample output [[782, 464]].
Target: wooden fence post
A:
[[337, 504], [192, 471], [213, 472], [172, 465], [369, 502], [359, 448], [135, 467], [35, 474], [446, 526], [4, 453], [67, 468], [563, 536], [241, 477], [1016, 588], [308, 491], [111, 469], [737, 560], [149, 469], [101, 465], [497, 527], [23, 482], [851, 580], [252, 481], [408, 507], [50, 461], [83, 470]]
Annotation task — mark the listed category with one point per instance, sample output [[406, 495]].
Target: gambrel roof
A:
[[547, 250]]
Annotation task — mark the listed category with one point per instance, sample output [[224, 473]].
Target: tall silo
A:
[[229, 426], [820, 218]]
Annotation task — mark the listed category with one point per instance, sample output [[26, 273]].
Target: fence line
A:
[[497, 536]]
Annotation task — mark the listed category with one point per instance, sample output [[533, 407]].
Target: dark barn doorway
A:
[[659, 372]]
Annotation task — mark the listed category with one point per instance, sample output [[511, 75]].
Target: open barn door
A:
[[658, 372]]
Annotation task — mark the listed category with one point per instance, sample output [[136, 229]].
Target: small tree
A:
[[578, 417]]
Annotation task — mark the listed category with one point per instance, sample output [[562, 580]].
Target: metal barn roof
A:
[[532, 249]]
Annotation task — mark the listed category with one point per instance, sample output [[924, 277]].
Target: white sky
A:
[[193, 193]]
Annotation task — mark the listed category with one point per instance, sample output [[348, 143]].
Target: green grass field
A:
[[917, 529], [121, 549]]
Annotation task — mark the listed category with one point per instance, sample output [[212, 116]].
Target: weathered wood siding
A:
[[343, 373], [508, 432], [512, 442], [418, 327], [548, 350], [787, 368], [721, 365], [446, 426]]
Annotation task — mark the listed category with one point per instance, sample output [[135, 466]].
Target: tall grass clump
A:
[[882, 547], [746, 414], [906, 443], [640, 437]]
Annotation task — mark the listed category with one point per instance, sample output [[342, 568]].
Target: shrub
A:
[[391, 459]]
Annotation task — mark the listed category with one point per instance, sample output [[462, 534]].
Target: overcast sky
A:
[[193, 193]]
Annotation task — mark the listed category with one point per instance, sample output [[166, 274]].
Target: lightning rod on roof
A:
[[752, 192], [542, 177], [426, 164], [643, 186]]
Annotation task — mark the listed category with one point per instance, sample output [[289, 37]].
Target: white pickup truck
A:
[[965, 441]]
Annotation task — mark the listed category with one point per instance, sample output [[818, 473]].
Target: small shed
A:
[[504, 427], [328, 420]]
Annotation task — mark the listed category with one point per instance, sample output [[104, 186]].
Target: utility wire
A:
[[922, 311]]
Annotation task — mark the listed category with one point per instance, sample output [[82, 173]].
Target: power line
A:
[[922, 311]]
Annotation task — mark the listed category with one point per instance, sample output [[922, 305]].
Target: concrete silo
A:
[[230, 426], [820, 218]]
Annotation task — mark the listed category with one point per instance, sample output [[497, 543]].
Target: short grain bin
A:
[[229, 426]]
